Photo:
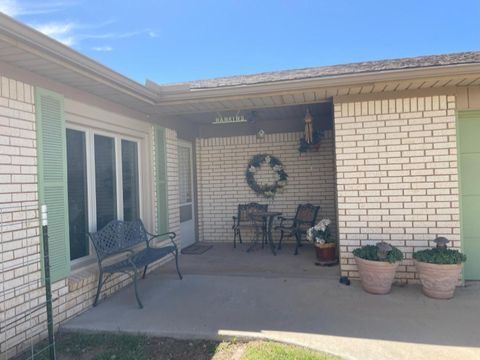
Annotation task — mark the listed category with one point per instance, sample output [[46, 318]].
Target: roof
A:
[[24, 47], [472, 57]]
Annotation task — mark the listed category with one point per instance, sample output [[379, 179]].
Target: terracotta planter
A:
[[326, 252], [438, 280], [376, 276]]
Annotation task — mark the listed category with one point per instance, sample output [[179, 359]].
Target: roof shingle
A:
[[337, 70]]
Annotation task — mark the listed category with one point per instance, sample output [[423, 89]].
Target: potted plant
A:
[[325, 246], [439, 269], [305, 146], [377, 265]]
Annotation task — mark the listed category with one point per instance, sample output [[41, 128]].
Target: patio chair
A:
[[245, 221], [304, 219]]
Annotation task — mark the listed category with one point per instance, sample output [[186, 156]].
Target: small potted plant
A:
[[377, 265], [325, 246], [439, 269]]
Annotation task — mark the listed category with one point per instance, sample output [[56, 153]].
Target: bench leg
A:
[[176, 265], [99, 288], [135, 278], [144, 271], [234, 238]]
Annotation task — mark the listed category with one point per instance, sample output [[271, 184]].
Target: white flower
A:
[[278, 167], [319, 241], [252, 169], [267, 159], [310, 234]]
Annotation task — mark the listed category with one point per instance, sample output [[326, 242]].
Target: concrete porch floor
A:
[[223, 259], [264, 299]]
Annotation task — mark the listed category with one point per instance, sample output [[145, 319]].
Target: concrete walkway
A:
[[318, 313]]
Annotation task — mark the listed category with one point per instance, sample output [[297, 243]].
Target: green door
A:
[[469, 156]]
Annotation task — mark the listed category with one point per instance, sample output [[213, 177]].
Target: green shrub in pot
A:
[[439, 269], [377, 265]]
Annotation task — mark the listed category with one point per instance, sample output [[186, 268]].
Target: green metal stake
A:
[[48, 287]]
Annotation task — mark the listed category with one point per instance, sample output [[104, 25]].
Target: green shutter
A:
[[52, 178], [161, 180]]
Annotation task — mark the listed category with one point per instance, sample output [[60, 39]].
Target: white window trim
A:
[[91, 179]]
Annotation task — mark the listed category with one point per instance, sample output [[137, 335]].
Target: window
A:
[[77, 193], [130, 180], [103, 184], [105, 180]]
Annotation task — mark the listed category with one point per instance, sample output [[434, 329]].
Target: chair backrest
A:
[[246, 210], [117, 236], [306, 215]]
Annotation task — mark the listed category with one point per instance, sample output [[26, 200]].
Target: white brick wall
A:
[[19, 232], [221, 165], [396, 175], [20, 272]]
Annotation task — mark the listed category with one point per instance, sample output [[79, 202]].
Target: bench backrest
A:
[[118, 236]]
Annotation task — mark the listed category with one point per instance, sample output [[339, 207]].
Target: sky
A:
[[181, 40]]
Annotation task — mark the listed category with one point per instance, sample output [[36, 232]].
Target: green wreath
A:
[[268, 190]]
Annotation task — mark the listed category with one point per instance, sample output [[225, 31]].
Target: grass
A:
[[108, 346], [275, 351]]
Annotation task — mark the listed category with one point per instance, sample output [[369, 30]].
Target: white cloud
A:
[[105, 48], [60, 31], [69, 33], [16, 8]]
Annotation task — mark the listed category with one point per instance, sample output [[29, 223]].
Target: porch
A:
[[227, 293], [223, 259]]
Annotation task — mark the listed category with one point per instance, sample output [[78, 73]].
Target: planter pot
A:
[[438, 280], [326, 252], [376, 276]]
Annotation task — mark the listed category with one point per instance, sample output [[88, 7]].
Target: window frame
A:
[[91, 179]]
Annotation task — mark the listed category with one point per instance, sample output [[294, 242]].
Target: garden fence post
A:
[[48, 285]]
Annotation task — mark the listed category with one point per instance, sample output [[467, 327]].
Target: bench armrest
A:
[[171, 235]]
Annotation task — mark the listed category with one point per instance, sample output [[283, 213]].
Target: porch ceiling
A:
[[254, 114]]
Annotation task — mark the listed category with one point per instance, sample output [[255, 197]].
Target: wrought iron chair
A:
[[297, 226], [245, 220]]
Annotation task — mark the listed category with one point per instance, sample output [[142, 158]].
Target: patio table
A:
[[267, 218]]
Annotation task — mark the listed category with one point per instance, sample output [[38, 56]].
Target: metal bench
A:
[[126, 237]]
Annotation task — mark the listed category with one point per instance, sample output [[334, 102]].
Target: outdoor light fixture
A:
[[260, 134]]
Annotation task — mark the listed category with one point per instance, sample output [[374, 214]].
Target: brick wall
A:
[[221, 165], [19, 232], [396, 175], [20, 270]]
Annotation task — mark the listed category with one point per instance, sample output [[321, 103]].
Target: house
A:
[[399, 160]]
